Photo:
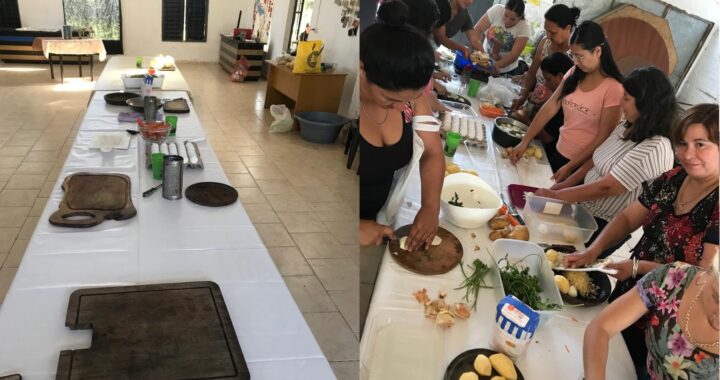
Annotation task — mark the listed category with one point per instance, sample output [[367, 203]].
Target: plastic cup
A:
[[172, 120], [452, 140], [157, 165], [473, 87]]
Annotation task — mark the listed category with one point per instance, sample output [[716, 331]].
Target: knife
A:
[[511, 210]]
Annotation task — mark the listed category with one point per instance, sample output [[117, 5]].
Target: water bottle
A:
[[147, 85]]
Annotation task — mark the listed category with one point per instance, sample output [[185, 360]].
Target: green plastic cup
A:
[[157, 165], [473, 87], [172, 120], [452, 140]]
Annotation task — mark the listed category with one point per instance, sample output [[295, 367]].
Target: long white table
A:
[[396, 318], [168, 241], [110, 79]]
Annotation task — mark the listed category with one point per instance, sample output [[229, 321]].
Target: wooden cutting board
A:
[[163, 331], [436, 260], [92, 198]]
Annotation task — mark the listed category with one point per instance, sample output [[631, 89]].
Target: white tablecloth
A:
[[168, 241], [556, 351], [110, 79], [74, 46]]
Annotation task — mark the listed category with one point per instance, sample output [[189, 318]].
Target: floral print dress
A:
[[670, 353]]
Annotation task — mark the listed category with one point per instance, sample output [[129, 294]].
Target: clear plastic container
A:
[[553, 220], [402, 345], [525, 254]]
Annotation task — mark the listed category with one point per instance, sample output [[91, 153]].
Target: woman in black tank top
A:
[[396, 64]]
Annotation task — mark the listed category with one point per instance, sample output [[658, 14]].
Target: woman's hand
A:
[[579, 259], [547, 193], [372, 233], [439, 88], [520, 100], [517, 152], [560, 185], [423, 229], [624, 269], [441, 75], [466, 51], [562, 173]]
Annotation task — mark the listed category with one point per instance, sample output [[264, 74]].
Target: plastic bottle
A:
[[148, 83]]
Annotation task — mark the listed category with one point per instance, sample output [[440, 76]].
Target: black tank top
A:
[[377, 168]]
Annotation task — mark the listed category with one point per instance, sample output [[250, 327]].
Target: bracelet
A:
[[635, 268]]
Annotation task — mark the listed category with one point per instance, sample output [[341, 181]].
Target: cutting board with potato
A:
[[437, 259], [92, 198]]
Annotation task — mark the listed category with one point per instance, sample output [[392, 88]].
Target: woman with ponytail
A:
[[397, 130], [589, 96]]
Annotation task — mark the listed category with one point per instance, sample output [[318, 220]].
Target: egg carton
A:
[[471, 129], [173, 147]]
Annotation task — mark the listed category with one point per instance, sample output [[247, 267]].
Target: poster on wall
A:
[[262, 15]]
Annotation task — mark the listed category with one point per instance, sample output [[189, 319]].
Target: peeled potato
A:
[[482, 365], [452, 168], [552, 256], [562, 283], [538, 153], [497, 378], [469, 376], [504, 366], [530, 151]]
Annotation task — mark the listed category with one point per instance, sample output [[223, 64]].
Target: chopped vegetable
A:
[[455, 201], [475, 281], [523, 285]]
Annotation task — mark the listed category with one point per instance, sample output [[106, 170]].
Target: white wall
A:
[[142, 29], [41, 14], [142, 26]]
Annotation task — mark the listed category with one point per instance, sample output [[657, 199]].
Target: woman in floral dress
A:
[[680, 302], [678, 213]]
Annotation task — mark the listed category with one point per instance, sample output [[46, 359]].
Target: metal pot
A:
[[504, 137]]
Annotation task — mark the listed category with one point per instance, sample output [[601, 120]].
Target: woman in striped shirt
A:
[[636, 152]]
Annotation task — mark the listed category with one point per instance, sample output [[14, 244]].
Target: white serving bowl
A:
[[483, 197]]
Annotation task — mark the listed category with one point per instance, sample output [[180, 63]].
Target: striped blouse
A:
[[630, 164]]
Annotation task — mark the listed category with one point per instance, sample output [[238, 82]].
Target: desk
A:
[[303, 92], [557, 348], [168, 241], [110, 79], [74, 47]]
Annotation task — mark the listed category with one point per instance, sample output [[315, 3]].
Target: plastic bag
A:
[[283, 119], [240, 71], [308, 57], [499, 90]]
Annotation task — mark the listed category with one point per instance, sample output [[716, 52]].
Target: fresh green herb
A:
[[523, 285], [475, 281], [455, 201]]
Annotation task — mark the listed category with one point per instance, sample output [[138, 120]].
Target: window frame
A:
[[184, 38]]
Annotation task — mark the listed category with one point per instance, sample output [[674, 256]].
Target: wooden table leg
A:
[[52, 72], [80, 65], [91, 67], [62, 70]]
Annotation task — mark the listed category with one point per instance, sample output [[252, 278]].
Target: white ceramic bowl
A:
[[483, 196]]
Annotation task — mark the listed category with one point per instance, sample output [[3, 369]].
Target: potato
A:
[[538, 153], [562, 283], [498, 234], [498, 222], [519, 233], [504, 154], [452, 168], [552, 256], [572, 292], [469, 376], [504, 366], [482, 365], [530, 151], [497, 378]]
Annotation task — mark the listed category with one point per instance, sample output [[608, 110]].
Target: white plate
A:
[[107, 141]]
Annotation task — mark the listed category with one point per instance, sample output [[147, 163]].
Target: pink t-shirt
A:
[[582, 112]]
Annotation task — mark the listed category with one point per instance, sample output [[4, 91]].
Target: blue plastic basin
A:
[[320, 127]]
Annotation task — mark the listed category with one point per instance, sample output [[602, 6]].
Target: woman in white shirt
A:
[[505, 34], [636, 152]]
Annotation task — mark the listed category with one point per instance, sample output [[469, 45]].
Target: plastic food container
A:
[[525, 254], [129, 81], [556, 220]]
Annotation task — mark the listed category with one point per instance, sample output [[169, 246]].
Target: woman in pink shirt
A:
[[590, 98]]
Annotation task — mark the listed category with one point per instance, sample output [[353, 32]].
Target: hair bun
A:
[[393, 13], [575, 12]]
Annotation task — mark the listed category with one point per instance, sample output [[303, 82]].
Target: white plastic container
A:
[[553, 220], [129, 82], [526, 254], [468, 217]]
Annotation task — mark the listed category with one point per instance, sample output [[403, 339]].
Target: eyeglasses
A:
[[576, 57]]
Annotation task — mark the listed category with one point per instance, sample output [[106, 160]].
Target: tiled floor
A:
[[301, 198]]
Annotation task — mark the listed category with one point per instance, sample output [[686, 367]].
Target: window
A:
[[102, 17], [301, 18], [184, 20], [9, 14]]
